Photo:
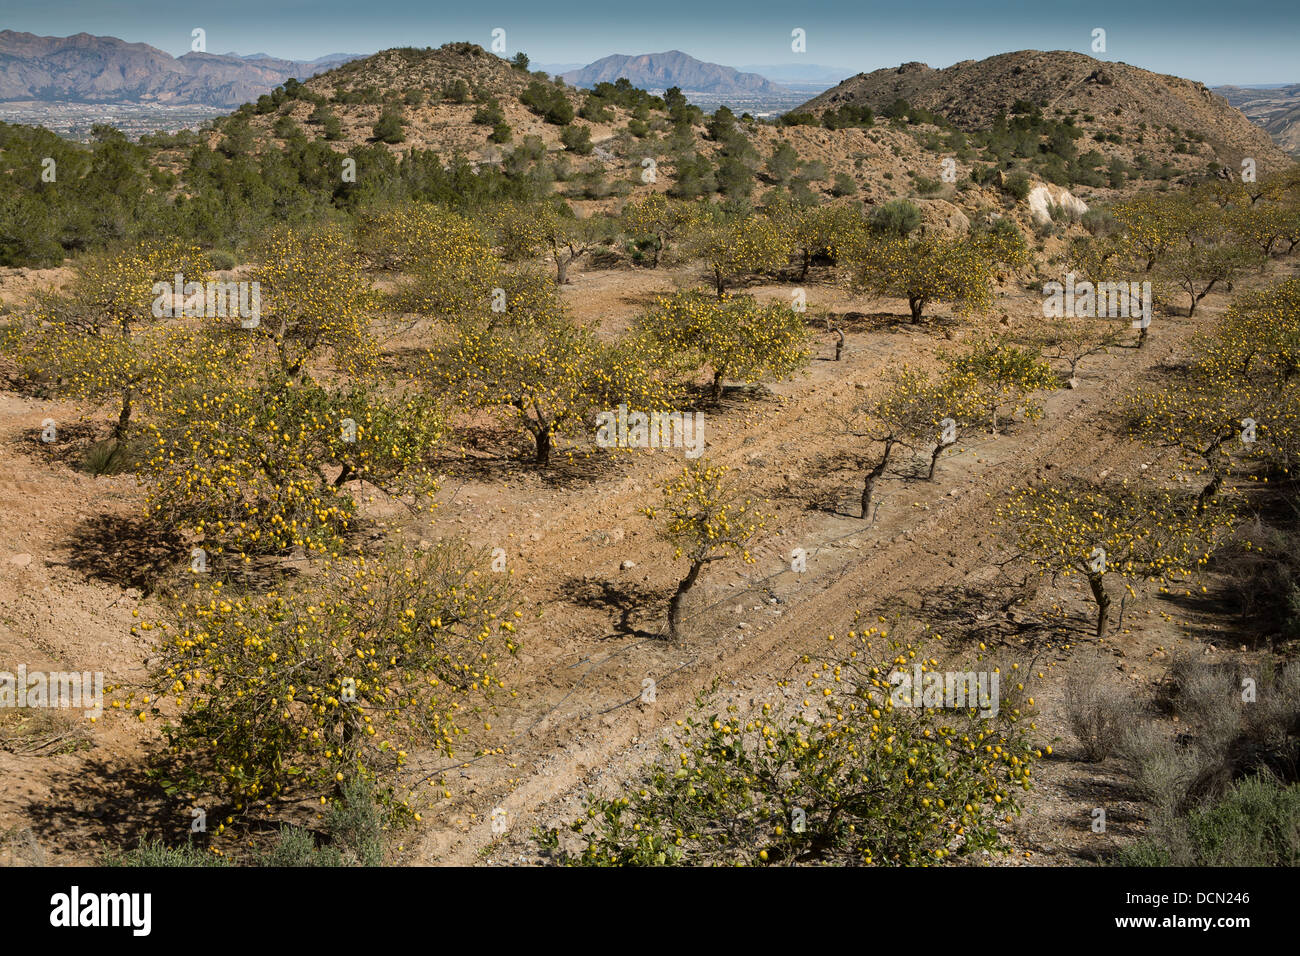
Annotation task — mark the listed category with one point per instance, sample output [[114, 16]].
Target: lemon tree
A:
[[851, 777], [753, 244], [283, 694], [706, 520], [660, 221], [1125, 531], [263, 467], [315, 299], [734, 336], [920, 410], [112, 338], [925, 269], [549, 375], [446, 261], [998, 373]]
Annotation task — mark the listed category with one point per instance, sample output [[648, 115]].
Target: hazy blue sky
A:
[[1209, 40]]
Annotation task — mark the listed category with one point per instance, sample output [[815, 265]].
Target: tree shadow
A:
[[69, 446], [865, 322], [490, 460], [131, 552], [125, 551], [989, 612], [106, 805], [626, 599]]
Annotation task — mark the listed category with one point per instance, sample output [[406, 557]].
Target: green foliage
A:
[[898, 217], [577, 139], [549, 102], [389, 129], [733, 336], [853, 779], [289, 693]]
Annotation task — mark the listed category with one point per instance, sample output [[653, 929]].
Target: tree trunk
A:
[[917, 306], [1196, 299], [803, 271], [679, 598], [561, 270], [717, 282], [124, 416], [1103, 603], [1208, 493], [934, 460], [869, 483], [716, 391], [839, 344], [543, 439]]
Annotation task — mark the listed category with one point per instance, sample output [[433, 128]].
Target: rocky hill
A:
[[90, 69], [881, 162], [1151, 112], [659, 71]]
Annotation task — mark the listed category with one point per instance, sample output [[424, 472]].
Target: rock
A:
[[21, 560], [1043, 197], [628, 565], [1072, 383]]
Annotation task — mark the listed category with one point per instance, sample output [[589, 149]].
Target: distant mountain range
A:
[[785, 76], [86, 69], [1275, 107], [659, 71], [90, 69]]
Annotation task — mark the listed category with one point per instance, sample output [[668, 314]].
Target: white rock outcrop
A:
[[1044, 196]]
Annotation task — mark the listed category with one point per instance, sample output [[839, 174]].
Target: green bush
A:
[[577, 139], [1257, 823], [389, 128], [896, 218], [1018, 184], [548, 101], [855, 778]]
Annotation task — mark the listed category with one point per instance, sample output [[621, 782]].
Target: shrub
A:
[[1018, 184], [577, 139], [389, 129], [856, 778], [843, 185], [548, 102], [898, 217], [1257, 823], [289, 693], [1097, 710]]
